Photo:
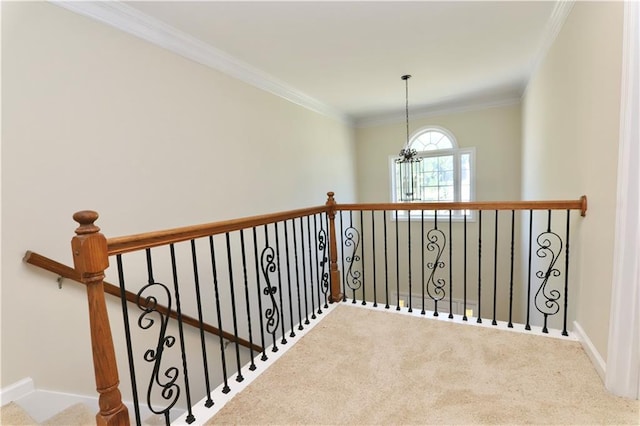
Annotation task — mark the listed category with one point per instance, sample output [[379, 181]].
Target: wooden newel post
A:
[[90, 258], [336, 295]]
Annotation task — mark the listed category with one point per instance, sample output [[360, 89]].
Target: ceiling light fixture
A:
[[408, 156]]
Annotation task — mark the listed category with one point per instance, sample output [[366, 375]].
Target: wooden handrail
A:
[[70, 273], [580, 204], [129, 243]]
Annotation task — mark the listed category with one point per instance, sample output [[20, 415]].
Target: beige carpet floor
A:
[[361, 366], [76, 415]]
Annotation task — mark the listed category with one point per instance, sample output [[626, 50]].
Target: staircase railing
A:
[[268, 276]]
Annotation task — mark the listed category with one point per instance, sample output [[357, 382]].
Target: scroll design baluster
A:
[[546, 299], [436, 243], [163, 382], [353, 278], [272, 314], [324, 274]]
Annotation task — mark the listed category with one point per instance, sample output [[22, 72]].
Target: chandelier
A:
[[407, 158]]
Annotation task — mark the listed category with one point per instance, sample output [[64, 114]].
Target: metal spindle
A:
[[373, 249], [269, 291], [397, 266], [435, 265], [187, 390], [344, 272], [364, 296], [495, 269], [422, 268], [328, 245], [546, 316], [386, 261], [315, 232], [196, 280], [214, 269], [257, 261], [464, 272], [239, 377], [286, 252], [513, 219], [313, 307], [527, 325], [450, 269], [479, 319], [247, 297], [127, 332], [296, 255], [409, 256], [304, 274], [284, 339], [566, 277]]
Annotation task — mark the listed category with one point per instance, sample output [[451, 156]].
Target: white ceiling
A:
[[348, 57]]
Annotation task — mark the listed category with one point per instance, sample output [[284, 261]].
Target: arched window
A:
[[444, 172]]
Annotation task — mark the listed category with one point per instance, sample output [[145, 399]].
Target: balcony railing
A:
[[261, 280]]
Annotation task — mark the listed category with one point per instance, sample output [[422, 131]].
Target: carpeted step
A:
[[13, 414], [77, 415]]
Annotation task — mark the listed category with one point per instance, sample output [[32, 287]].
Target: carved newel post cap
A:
[[86, 219]]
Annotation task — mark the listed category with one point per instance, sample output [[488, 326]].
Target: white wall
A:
[[570, 123], [96, 119]]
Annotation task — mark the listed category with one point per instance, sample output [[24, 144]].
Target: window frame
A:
[[457, 154]]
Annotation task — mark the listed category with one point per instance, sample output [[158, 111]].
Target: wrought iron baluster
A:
[[284, 339], [304, 274], [409, 257], [510, 325], [223, 357], [296, 254], [386, 261], [239, 376], [528, 324], [464, 267], [495, 269], [268, 265], [479, 319], [323, 241], [353, 239], [363, 256], [187, 390], [256, 257], [252, 367], [436, 242], [546, 300], [313, 307], [344, 268], [196, 281], [148, 304], [127, 333], [286, 254], [373, 249], [566, 277], [397, 266], [318, 275], [422, 264], [450, 269]]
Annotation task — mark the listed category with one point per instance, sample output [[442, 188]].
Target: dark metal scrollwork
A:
[[546, 299], [272, 314], [324, 275], [352, 240], [164, 381], [436, 243]]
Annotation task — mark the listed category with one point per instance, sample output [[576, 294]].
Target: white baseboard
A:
[[43, 404], [16, 391], [590, 349]]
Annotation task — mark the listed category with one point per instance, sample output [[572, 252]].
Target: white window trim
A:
[[457, 152]]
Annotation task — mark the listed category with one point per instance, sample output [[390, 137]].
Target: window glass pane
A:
[[431, 140]]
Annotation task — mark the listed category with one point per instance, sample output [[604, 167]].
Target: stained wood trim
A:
[[119, 245], [580, 204], [70, 273]]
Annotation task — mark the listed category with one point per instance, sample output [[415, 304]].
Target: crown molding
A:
[[134, 22], [556, 21], [431, 111]]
